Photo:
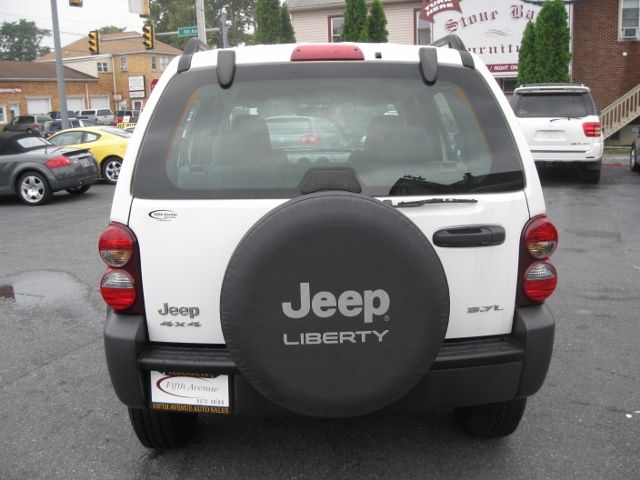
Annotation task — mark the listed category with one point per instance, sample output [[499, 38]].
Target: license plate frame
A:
[[189, 392]]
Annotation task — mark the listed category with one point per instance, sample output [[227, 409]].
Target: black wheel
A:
[[633, 160], [78, 190], [33, 189], [592, 176], [111, 169], [493, 420], [163, 429]]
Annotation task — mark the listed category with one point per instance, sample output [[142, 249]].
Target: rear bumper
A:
[[466, 372], [582, 164]]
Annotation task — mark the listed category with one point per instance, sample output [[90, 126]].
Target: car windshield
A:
[[260, 138], [553, 105]]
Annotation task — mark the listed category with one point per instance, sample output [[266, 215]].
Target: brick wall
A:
[[598, 59], [136, 65], [46, 89]]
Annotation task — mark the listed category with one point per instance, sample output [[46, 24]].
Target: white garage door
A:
[[75, 103], [100, 102], [38, 105]]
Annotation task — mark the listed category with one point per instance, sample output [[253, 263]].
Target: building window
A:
[[123, 64], [3, 114], [102, 67], [629, 19], [336, 24], [422, 32], [164, 61], [508, 85], [154, 63]]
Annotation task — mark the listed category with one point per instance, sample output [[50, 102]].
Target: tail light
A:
[[118, 289], [538, 277], [310, 139], [592, 129], [121, 285], [57, 162]]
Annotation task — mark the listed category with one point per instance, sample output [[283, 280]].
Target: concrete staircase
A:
[[615, 116]]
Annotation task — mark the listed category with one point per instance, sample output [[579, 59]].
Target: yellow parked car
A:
[[106, 143]]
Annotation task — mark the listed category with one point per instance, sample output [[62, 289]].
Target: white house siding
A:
[[400, 23], [313, 26]]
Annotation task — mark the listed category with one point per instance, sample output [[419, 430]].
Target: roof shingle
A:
[[10, 70]]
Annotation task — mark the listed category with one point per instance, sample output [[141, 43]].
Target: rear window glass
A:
[[276, 124], [116, 131], [553, 105], [32, 143]]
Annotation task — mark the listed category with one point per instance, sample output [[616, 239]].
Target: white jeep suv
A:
[[403, 272], [562, 126]]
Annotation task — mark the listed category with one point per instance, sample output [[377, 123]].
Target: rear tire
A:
[[78, 190], [493, 420], [633, 160], [33, 189], [111, 169], [592, 176], [163, 429]]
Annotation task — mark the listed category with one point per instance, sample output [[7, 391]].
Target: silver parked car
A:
[[33, 169]]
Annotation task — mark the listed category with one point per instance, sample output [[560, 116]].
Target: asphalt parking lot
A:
[[61, 420]]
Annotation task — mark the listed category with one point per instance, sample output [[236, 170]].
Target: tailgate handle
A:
[[469, 236]]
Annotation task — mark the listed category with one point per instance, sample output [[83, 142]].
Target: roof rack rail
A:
[[195, 45], [452, 41]]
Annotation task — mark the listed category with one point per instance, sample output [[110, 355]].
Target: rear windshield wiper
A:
[[430, 201]]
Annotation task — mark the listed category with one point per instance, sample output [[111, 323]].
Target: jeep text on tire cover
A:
[[352, 228]]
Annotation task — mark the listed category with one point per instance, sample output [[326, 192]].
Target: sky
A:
[[75, 22]]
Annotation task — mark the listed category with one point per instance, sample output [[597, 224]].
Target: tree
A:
[[355, 21], [288, 35], [552, 43], [169, 15], [527, 56], [268, 22], [21, 41], [111, 29], [377, 23]]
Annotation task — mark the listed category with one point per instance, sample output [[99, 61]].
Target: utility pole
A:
[[62, 94], [224, 27], [202, 34]]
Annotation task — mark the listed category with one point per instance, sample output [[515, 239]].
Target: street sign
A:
[[187, 31]]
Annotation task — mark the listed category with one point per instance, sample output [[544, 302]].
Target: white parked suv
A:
[[406, 274], [562, 126]]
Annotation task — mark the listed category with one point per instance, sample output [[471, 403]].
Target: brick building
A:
[[123, 67], [30, 87], [119, 77], [606, 57]]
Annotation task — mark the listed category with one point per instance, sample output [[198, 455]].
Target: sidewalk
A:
[[616, 158]]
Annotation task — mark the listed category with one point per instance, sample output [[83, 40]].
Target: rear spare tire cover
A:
[[334, 304]]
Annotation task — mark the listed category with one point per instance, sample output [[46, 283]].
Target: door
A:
[[75, 104], [100, 102], [38, 105]]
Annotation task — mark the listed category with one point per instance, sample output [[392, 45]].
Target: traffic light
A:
[[148, 38], [94, 42], [75, 3]]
